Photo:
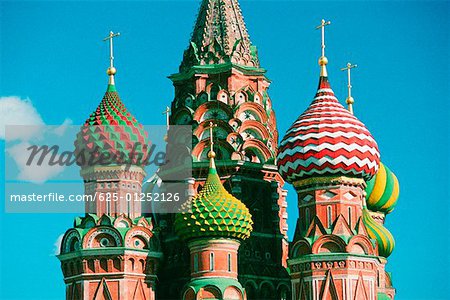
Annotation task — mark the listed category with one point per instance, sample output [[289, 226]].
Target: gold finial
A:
[[350, 99], [167, 113], [211, 153], [111, 70], [323, 61]]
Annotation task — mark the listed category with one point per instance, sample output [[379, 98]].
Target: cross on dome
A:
[[211, 126], [349, 99], [111, 70], [323, 60], [167, 113]]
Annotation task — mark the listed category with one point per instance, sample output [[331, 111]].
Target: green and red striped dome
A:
[[111, 132]]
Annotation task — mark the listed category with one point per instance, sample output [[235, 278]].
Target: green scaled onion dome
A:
[[214, 212], [378, 232], [382, 191]]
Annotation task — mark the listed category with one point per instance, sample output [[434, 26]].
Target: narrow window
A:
[[307, 218], [108, 207], [229, 262], [349, 216], [196, 262], [329, 215], [211, 261]]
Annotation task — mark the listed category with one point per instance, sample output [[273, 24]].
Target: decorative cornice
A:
[[327, 181], [216, 69]]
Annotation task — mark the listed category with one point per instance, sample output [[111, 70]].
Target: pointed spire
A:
[[349, 99], [220, 36], [111, 71], [323, 61]]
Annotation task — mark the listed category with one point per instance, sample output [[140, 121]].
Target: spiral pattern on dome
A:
[[382, 191], [327, 140], [378, 232]]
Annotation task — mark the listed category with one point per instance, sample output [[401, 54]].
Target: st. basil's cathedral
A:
[[232, 243]]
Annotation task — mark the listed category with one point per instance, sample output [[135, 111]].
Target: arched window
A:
[[108, 207], [307, 218], [329, 221], [196, 262], [229, 262], [211, 261]]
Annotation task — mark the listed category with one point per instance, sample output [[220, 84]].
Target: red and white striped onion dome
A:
[[327, 140]]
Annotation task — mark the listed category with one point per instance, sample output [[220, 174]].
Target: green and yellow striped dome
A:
[[382, 191], [215, 213], [376, 231]]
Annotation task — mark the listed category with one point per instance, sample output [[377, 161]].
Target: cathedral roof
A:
[[220, 36], [214, 212], [327, 140], [382, 190], [112, 131]]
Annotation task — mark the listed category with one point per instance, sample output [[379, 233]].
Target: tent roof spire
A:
[[220, 36]]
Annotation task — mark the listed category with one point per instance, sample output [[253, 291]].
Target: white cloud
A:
[[17, 111], [32, 172], [61, 129], [20, 123]]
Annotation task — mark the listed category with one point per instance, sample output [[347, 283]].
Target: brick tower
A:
[[220, 79], [111, 252], [339, 250]]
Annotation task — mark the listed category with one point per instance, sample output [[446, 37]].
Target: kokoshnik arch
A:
[[233, 243]]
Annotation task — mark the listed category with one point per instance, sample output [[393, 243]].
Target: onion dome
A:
[[378, 232], [327, 140], [214, 212], [382, 191], [111, 132]]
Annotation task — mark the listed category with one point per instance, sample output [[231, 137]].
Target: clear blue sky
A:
[[52, 53]]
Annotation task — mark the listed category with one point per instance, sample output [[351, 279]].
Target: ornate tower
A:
[[111, 252], [213, 229], [338, 251], [220, 79]]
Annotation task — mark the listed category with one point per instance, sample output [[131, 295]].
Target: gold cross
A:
[[322, 27], [110, 38], [350, 99], [167, 112], [211, 138]]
